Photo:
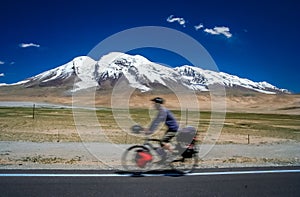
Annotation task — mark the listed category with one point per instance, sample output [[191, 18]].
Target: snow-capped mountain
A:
[[139, 73]]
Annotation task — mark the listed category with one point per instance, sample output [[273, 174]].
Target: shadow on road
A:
[[171, 173]]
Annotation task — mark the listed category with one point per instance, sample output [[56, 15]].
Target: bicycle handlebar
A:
[[136, 129]]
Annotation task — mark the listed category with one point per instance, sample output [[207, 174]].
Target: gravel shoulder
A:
[[74, 155]]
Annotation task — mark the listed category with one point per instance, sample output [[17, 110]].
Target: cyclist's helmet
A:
[[158, 100]]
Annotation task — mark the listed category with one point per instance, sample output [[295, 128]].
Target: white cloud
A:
[[219, 30], [25, 45], [222, 30], [2, 75], [200, 26], [172, 19], [211, 31], [2, 62]]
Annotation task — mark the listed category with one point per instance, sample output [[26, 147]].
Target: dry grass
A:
[[51, 125], [18, 124]]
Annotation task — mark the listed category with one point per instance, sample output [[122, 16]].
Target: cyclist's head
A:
[[158, 100]]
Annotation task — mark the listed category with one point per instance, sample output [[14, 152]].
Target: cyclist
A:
[[163, 115]]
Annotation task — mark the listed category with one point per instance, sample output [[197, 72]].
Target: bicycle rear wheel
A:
[[137, 159], [186, 163]]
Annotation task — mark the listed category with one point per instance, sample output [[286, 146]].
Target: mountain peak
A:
[[140, 73]]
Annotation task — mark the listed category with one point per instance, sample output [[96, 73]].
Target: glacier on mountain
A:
[[142, 74]]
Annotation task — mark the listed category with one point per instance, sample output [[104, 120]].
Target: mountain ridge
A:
[[140, 73]]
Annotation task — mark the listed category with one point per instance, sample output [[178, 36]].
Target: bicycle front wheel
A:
[[137, 159]]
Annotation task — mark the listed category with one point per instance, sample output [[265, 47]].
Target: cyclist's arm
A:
[[161, 116]]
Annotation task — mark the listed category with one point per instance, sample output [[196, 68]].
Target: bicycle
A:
[[142, 157]]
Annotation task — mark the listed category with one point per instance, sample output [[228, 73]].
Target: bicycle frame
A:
[[142, 157]]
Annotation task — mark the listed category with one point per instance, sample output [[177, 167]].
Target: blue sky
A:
[[258, 40]]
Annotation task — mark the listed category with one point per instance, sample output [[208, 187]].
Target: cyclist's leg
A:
[[166, 140]]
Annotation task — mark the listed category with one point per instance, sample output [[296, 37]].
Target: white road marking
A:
[[243, 172], [145, 174]]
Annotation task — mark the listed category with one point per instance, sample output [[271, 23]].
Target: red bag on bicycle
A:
[[142, 158]]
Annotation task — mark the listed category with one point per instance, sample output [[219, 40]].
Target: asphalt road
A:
[[208, 182]]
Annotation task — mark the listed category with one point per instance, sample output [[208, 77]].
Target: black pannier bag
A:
[[186, 141], [186, 135]]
